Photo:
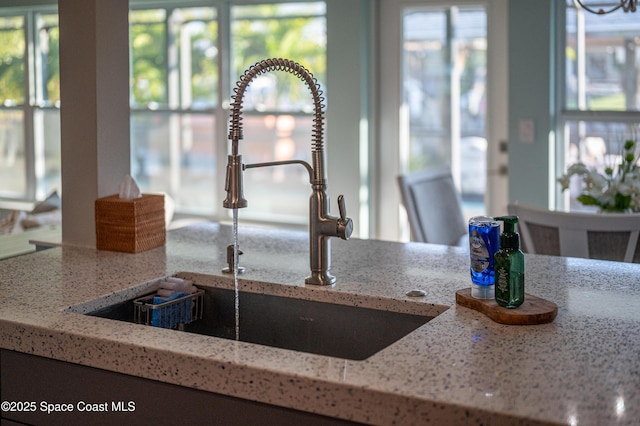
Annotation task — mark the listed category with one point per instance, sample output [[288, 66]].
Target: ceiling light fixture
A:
[[626, 5]]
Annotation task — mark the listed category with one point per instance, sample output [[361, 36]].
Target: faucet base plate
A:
[[320, 278]]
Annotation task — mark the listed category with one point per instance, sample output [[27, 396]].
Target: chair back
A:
[[608, 236], [434, 206]]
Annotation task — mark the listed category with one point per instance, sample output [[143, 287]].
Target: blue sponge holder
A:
[[171, 312]]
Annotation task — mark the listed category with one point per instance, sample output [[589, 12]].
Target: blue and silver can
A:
[[484, 242]]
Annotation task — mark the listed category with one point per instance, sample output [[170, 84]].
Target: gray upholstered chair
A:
[[607, 236], [434, 207]]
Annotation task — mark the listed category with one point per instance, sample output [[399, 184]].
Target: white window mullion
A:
[[31, 151], [222, 106], [173, 98]]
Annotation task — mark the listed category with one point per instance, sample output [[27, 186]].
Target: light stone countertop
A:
[[460, 368]]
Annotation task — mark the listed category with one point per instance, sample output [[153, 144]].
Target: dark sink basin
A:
[[302, 325]]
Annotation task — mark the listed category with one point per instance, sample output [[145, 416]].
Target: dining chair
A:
[[605, 236], [433, 206]]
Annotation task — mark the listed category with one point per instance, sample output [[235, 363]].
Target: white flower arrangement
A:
[[617, 190]]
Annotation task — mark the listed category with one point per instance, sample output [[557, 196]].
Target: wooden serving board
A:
[[533, 310]]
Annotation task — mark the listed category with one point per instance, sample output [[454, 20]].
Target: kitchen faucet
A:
[[322, 226]]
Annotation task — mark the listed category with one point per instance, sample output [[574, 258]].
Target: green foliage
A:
[[292, 38], [259, 32], [614, 102], [52, 85], [204, 67], [12, 75], [588, 200], [622, 202], [12, 59], [147, 41]]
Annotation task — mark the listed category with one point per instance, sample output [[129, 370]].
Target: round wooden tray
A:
[[533, 310]]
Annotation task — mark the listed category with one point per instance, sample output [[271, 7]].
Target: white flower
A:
[[595, 181], [618, 189], [626, 187], [577, 169], [564, 181]]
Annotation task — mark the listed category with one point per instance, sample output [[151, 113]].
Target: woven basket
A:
[[130, 226]]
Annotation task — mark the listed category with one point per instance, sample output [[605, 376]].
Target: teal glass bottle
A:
[[509, 266]]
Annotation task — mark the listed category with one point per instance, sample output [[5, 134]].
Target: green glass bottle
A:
[[509, 266]]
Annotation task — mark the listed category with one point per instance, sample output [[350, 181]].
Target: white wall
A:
[[348, 94], [531, 39]]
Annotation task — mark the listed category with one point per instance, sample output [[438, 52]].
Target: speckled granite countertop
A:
[[460, 368]]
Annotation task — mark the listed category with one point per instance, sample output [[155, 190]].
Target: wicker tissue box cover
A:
[[130, 226]]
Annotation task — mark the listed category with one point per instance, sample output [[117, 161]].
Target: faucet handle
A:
[[344, 224], [342, 207]]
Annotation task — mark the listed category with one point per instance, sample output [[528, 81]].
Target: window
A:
[[12, 78], [601, 90], [174, 91], [29, 98], [277, 114], [444, 79], [180, 87], [445, 95], [178, 117]]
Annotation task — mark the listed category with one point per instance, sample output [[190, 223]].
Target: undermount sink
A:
[[319, 327]]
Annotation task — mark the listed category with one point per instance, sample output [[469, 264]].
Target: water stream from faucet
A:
[[235, 272]]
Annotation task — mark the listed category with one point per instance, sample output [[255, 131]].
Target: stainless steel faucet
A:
[[322, 225]]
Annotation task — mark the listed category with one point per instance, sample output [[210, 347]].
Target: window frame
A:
[[565, 115]]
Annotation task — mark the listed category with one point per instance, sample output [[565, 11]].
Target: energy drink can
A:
[[484, 242]]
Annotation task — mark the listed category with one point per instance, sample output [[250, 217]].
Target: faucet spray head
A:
[[233, 184]]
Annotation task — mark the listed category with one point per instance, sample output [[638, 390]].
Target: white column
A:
[[94, 82]]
